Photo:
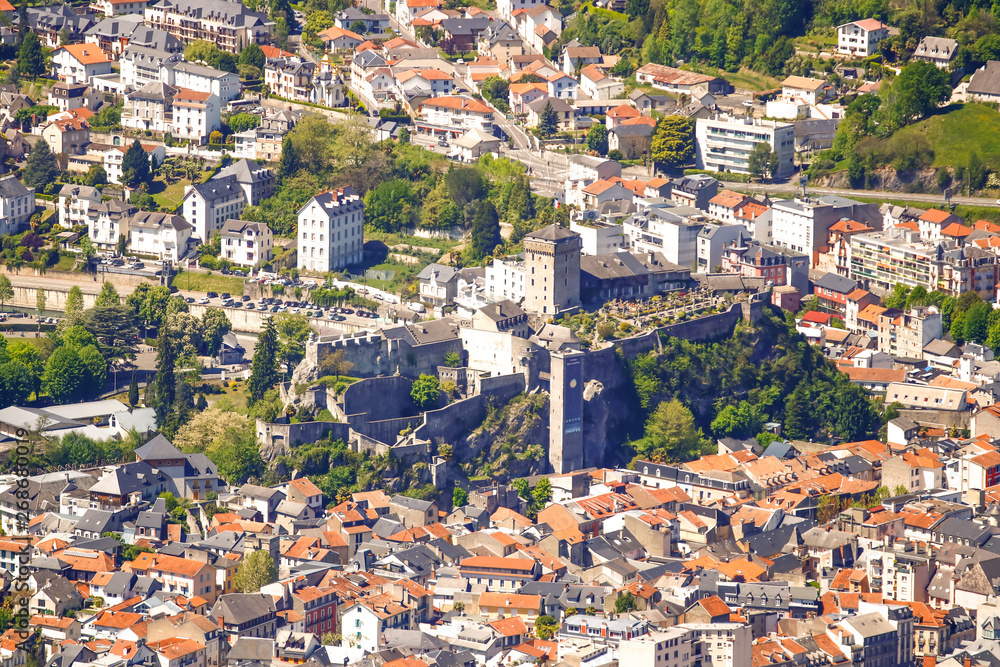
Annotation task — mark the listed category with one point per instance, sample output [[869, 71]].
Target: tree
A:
[[253, 55], [96, 175], [6, 291], [387, 207], [115, 329], [214, 326], [289, 163], [827, 509], [459, 497], [315, 23], [425, 391], [256, 572], [541, 494], [41, 168], [900, 490], [597, 139], [336, 362], [671, 434], [976, 172], [545, 627], [548, 121], [133, 392], [439, 211], [135, 166], [40, 305], [762, 161], [30, 61], [293, 332], [65, 375], [241, 122], [108, 296], [453, 360], [590, 610], [458, 607], [742, 421], [497, 90], [264, 368], [167, 351], [916, 92], [625, 603], [359, 27], [485, 231], [673, 142]]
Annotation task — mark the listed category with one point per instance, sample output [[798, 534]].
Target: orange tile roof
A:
[[510, 600], [715, 606], [86, 54], [935, 215], [458, 104], [498, 563], [728, 199], [957, 230], [849, 227]]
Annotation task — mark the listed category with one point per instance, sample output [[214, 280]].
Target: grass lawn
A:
[[170, 196], [235, 395], [818, 40], [444, 245], [65, 263], [956, 130], [746, 79], [202, 282]]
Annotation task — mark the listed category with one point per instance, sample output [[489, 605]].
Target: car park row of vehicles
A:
[[276, 305]]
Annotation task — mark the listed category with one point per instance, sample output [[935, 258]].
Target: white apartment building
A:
[[861, 38], [803, 223], [724, 143], [257, 182], [672, 230], [670, 648], [78, 63], [227, 24], [77, 205], [164, 235], [453, 115], [505, 279], [208, 205], [196, 115], [111, 221], [141, 65], [331, 231], [225, 85], [247, 243], [722, 644], [584, 170], [17, 203], [599, 237]]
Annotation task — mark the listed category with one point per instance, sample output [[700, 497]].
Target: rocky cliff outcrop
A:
[[511, 442]]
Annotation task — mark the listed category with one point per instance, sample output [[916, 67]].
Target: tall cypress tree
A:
[[289, 163], [485, 230], [264, 371], [166, 384], [133, 392], [135, 165]]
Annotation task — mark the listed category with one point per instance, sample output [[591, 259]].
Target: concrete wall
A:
[[449, 423], [372, 354], [276, 436], [939, 418], [381, 398]]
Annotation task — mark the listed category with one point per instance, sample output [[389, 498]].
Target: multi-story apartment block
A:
[[552, 270], [897, 256], [723, 143], [118, 7], [777, 266], [196, 115], [291, 78], [77, 205], [804, 223], [229, 25], [331, 231], [451, 116], [141, 65], [163, 235], [257, 182], [505, 279], [672, 230], [861, 38], [225, 85], [246, 243], [17, 203], [900, 572], [208, 205], [111, 221], [906, 334]]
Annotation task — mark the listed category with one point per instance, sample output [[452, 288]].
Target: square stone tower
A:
[[552, 271]]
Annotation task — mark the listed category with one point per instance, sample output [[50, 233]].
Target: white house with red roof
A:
[[861, 38], [196, 115], [428, 82], [407, 10], [453, 115], [78, 63]]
